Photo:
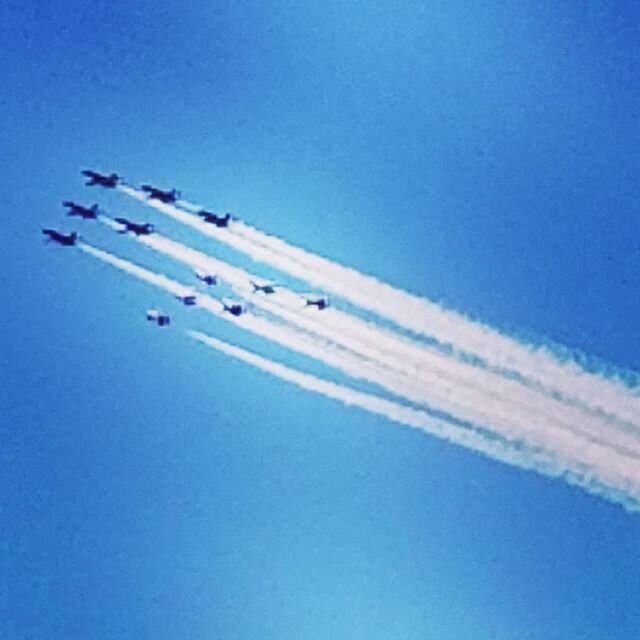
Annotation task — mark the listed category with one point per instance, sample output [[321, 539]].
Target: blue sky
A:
[[486, 157]]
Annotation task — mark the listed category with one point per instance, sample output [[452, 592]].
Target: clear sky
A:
[[482, 155]]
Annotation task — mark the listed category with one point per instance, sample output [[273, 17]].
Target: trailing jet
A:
[[161, 319], [86, 213], [188, 300], [207, 278], [158, 194], [234, 308], [320, 303], [64, 239], [135, 227], [212, 218], [264, 288], [107, 181]]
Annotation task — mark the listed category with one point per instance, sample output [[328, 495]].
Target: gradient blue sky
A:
[[484, 156]]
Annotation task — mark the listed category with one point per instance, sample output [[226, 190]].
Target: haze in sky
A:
[[481, 157]]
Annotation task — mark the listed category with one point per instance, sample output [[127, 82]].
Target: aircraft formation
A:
[[126, 226], [478, 387]]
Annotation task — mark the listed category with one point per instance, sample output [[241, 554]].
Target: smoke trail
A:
[[503, 402], [426, 318], [151, 277], [580, 463], [572, 454], [538, 368], [323, 352], [493, 448]]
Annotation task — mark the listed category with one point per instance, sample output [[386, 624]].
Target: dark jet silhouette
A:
[[233, 308], [212, 218], [207, 278], [188, 300], [64, 239], [86, 213], [161, 319], [320, 303], [264, 288], [138, 228], [107, 181], [158, 194]]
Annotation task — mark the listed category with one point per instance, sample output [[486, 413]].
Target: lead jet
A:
[[320, 303], [64, 239], [86, 213], [207, 278], [212, 218], [234, 308], [161, 319], [188, 300], [264, 288], [107, 181], [135, 227], [153, 193]]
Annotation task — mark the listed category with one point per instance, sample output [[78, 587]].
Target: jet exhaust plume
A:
[[469, 438], [151, 277]]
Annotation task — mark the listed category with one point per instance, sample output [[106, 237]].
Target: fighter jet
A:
[[161, 319], [212, 218], [207, 278], [264, 288], [138, 228], [158, 194], [107, 181], [320, 303], [64, 239], [234, 308], [188, 300], [86, 213]]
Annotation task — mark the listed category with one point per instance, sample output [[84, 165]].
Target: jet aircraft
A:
[[207, 278], [234, 308], [158, 194], [212, 218], [264, 288], [64, 239], [138, 228], [188, 300], [320, 303], [107, 181], [161, 319], [86, 213]]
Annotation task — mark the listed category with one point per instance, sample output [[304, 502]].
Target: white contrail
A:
[[427, 318], [493, 448], [502, 402], [538, 367], [574, 455], [151, 277], [290, 338]]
